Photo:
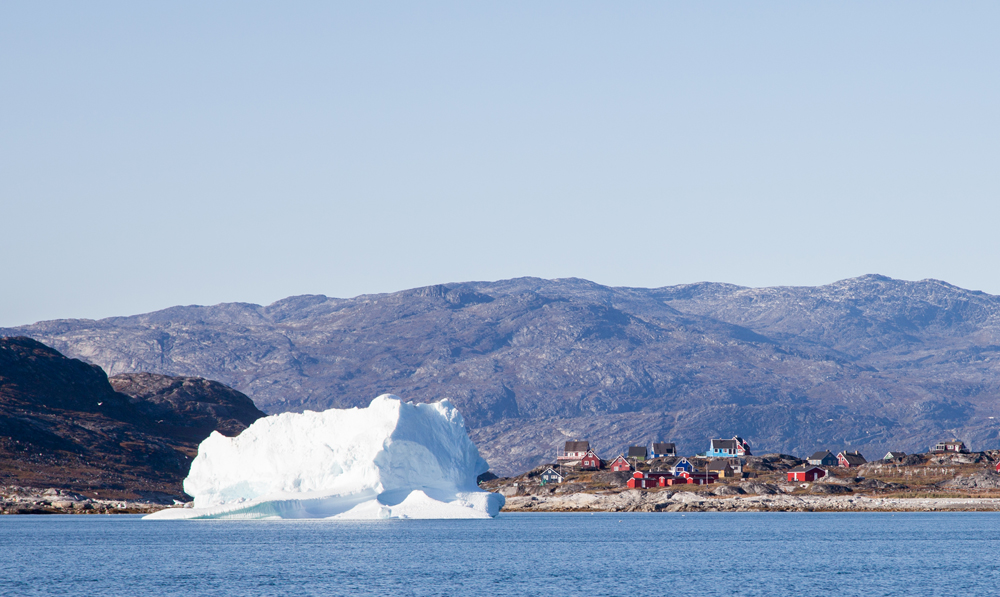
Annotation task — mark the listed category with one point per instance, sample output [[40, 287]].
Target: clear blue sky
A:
[[154, 154]]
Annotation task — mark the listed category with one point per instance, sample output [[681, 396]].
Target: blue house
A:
[[729, 448], [823, 458], [682, 466], [551, 476], [663, 450]]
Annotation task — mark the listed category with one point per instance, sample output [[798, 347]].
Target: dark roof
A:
[[577, 446], [854, 458], [637, 451], [892, 454], [723, 444], [663, 448], [820, 455], [803, 468], [718, 464]]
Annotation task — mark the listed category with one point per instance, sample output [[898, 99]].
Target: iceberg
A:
[[393, 459]]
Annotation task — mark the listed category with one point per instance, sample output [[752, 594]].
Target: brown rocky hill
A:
[[871, 362], [64, 425], [187, 408]]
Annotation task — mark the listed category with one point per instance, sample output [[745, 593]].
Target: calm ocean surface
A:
[[516, 554]]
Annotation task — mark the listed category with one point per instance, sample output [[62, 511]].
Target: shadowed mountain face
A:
[[187, 408], [870, 363], [62, 424]]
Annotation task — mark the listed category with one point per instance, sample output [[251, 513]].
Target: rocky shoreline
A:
[[26, 500], [686, 501], [916, 483], [31, 500]]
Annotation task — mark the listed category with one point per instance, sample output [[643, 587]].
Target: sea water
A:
[[704, 554]]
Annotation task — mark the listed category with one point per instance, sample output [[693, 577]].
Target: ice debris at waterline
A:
[[390, 460]]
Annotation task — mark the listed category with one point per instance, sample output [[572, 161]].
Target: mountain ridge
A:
[[869, 362]]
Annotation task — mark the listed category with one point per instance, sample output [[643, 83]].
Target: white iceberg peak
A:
[[393, 459]]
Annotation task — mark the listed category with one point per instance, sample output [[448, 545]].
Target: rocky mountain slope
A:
[[870, 363], [64, 425]]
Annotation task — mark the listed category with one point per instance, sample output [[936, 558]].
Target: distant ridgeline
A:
[[63, 424], [869, 363]]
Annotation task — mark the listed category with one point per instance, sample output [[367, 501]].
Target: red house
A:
[[806, 473], [620, 464], [849, 459], [699, 478], [643, 480], [639, 480], [590, 462], [997, 467]]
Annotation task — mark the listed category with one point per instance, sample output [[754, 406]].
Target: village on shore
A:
[[580, 479], [654, 478], [725, 459]]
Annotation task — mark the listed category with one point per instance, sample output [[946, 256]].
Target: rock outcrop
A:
[[63, 425], [187, 407], [980, 480], [29, 500]]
